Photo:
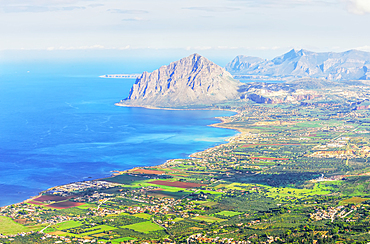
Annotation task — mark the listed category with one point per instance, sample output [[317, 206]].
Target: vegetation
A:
[[9, 227], [295, 173], [143, 227]]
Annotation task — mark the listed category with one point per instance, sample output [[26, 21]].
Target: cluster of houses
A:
[[66, 190], [329, 213], [64, 239], [200, 238]]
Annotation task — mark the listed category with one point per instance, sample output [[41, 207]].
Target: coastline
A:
[[222, 121], [174, 109]]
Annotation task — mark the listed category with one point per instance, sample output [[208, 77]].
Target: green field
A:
[[118, 241], [143, 215], [144, 227], [206, 203], [212, 192], [63, 233], [354, 200], [167, 188], [101, 228], [169, 194], [67, 225], [229, 213], [10, 227], [178, 219], [87, 206], [126, 179], [318, 189], [209, 204], [209, 219]]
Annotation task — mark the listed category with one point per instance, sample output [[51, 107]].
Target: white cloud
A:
[[37, 2], [77, 48], [72, 48], [37, 6], [364, 48], [268, 48], [133, 19], [213, 9], [261, 48], [257, 26], [127, 11], [124, 48], [199, 48], [37, 9], [96, 5], [358, 6], [226, 48], [285, 3]]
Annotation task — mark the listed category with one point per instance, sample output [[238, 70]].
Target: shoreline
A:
[[174, 109], [116, 172]]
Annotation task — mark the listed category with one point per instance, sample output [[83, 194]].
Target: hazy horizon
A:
[[218, 30]]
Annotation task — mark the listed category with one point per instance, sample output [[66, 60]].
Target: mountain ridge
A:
[[296, 64]]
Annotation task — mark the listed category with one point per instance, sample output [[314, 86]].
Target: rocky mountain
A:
[[349, 65], [191, 81]]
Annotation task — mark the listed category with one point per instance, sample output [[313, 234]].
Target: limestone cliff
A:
[[191, 81]]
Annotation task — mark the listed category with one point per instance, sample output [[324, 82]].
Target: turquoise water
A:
[[59, 125]]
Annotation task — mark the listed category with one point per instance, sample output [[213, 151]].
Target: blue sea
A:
[[59, 124]]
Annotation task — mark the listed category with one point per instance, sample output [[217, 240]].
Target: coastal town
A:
[[284, 177]]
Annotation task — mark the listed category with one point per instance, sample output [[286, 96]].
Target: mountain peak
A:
[[294, 53], [190, 81], [193, 59], [303, 52], [287, 56], [196, 55]]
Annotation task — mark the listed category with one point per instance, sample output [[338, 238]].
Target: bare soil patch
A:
[[36, 203], [264, 158], [176, 184], [51, 198], [276, 144], [147, 171], [65, 205]]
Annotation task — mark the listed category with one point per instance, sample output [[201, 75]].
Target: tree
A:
[[335, 230]]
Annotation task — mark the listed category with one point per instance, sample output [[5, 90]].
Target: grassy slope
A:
[[10, 227]]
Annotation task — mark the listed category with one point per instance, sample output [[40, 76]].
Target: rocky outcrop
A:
[[191, 81], [241, 63], [256, 98], [349, 65], [279, 93], [362, 107]]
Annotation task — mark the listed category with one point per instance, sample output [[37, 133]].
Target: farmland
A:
[[176, 184], [278, 180], [7, 226], [145, 227]]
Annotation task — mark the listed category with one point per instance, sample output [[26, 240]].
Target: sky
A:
[[264, 28]]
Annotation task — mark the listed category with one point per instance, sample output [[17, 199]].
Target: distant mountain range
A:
[[196, 82], [191, 81], [349, 65]]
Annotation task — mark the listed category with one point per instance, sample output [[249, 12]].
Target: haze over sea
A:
[[59, 124]]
